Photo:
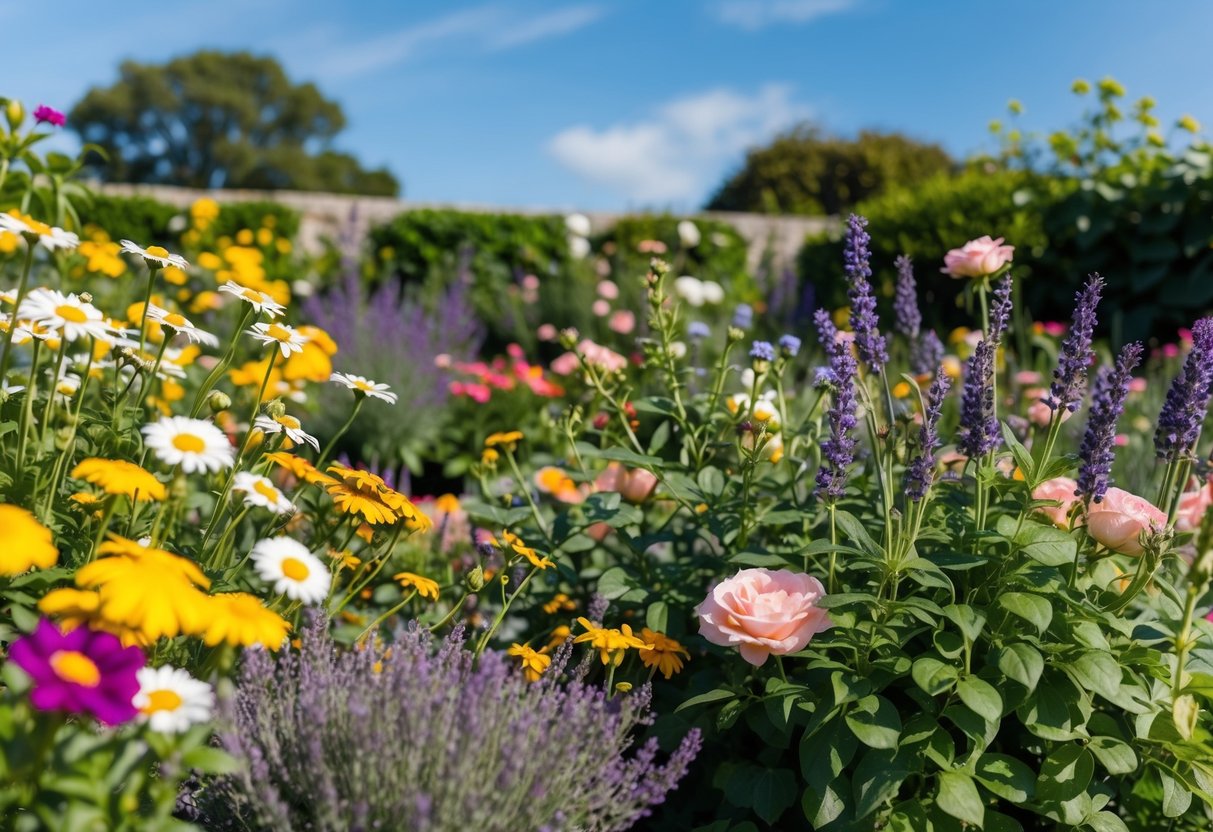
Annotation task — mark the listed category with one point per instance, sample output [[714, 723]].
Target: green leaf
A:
[[617, 582], [1097, 672], [933, 676], [959, 798], [980, 697], [877, 779], [1106, 822], [875, 722], [770, 793], [824, 756], [1006, 777], [1029, 606], [968, 620], [824, 806], [1115, 756], [1176, 798], [1065, 773], [857, 533], [1022, 457], [1021, 662], [717, 695], [1046, 544], [210, 760], [657, 616], [627, 457]]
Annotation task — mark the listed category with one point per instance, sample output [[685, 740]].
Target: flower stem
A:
[[359, 399], [22, 286]]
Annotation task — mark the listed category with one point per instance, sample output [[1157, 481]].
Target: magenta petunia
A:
[[49, 115], [80, 671]]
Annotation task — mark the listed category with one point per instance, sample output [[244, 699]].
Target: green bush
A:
[[235, 216], [139, 218]]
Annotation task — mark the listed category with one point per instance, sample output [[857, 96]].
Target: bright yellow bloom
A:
[[611, 644], [300, 468], [117, 476], [533, 662], [363, 493], [102, 257], [508, 440], [489, 457], [241, 620], [203, 212], [558, 636], [425, 587], [513, 542], [24, 542], [559, 602], [313, 362], [447, 504], [663, 654]]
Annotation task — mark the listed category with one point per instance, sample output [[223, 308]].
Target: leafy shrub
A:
[[139, 218], [255, 214]]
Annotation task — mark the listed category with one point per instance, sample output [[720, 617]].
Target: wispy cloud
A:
[[487, 28], [682, 149], [758, 14]]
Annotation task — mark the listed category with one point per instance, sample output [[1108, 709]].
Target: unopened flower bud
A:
[[87, 297], [735, 334], [218, 401], [15, 114], [475, 579], [568, 338], [275, 409]]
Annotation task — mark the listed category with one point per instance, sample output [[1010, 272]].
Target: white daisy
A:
[[67, 314], [288, 425], [179, 323], [15, 225], [365, 386], [287, 338], [294, 571], [170, 700], [155, 256], [259, 300], [259, 491], [67, 385], [49, 236], [194, 444]]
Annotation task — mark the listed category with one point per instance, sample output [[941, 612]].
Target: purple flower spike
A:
[[868, 340], [1070, 377], [921, 471], [979, 430], [838, 450], [926, 353], [907, 319], [1000, 310], [1098, 443], [1187, 400]]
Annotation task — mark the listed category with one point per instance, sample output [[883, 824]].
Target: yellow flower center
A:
[[363, 386], [189, 443], [173, 319], [72, 314], [278, 332], [288, 422], [251, 295], [266, 490], [75, 667], [162, 700], [295, 569], [157, 251]]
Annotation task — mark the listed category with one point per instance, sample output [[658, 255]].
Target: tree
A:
[[805, 171], [220, 120]]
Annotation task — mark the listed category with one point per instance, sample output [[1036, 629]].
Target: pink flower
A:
[[622, 321], [530, 283], [546, 332], [49, 115], [1027, 377], [1054, 329], [1120, 440], [1061, 489], [565, 365], [1192, 508], [1137, 385], [608, 289], [1119, 521], [600, 308], [651, 247], [763, 612], [977, 258], [635, 486]]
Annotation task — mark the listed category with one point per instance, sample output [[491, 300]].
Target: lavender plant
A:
[[1107, 404], [864, 321]]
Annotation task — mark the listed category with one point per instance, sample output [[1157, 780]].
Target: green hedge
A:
[[235, 216], [139, 218], [720, 254]]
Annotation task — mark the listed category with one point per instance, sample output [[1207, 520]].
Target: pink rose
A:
[[1192, 507], [977, 258], [1119, 520], [635, 486], [763, 611], [1061, 489]]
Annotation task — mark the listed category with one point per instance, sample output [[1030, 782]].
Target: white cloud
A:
[[758, 14], [680, 151], [488, 28]]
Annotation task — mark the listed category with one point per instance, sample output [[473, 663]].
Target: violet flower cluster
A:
[[1000, 309], [1097, 451], [864, 322], [838, 449], [926, 353], [1187, 403], [762, 351], [432, 740], [921, 471], [907, 318], [1070, 377], [979, 430]]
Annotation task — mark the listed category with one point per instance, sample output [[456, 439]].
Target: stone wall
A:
[[324, 216]]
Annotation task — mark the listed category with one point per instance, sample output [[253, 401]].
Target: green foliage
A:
[[220, 120], [236, 216], [720, 253], [805, 171], [139, 218]]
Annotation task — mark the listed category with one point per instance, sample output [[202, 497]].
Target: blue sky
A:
[[613, 104]]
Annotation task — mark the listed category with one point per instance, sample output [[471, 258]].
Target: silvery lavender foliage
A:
[[838, 450], [926, 353], [1000, 309], [979, 431], [1187, 402], [864, 322], [1107, 403], [432, 741], [1070, 377], [921, 470], [907, 319]]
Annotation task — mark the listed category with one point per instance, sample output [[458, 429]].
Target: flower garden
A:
[[294, 542]]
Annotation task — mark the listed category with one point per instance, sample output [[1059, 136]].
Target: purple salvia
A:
[[1187, 403], [1000, 309], [1070, 377], [926, 353], [1108, 396], [856, 258], [907, 319], [921, 471], [979, 431], [838, 449]]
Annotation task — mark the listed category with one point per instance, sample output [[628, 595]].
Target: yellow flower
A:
[[346, 558], [447, 504], [425, 587], [513, 542], [299, 468], [313, 362], [559, 602], [117, 476], [508, 440], [902, 389], [558, 636], [241, 620], [533, 662], [663, 654], [203, 212], [489, 458], [611, 644], [1187, 122], [210, 261], [24, 542], [363, 493]]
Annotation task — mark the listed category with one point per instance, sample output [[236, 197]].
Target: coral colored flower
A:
[[554, 481], [49, 115], [1192, 508], [1121, 519], [622, 321], [1060, 489], [81, 671], [977, 258], [24, 542], [762, 611]]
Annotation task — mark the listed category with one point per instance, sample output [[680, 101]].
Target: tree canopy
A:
[[220, 120], [806, 171]]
